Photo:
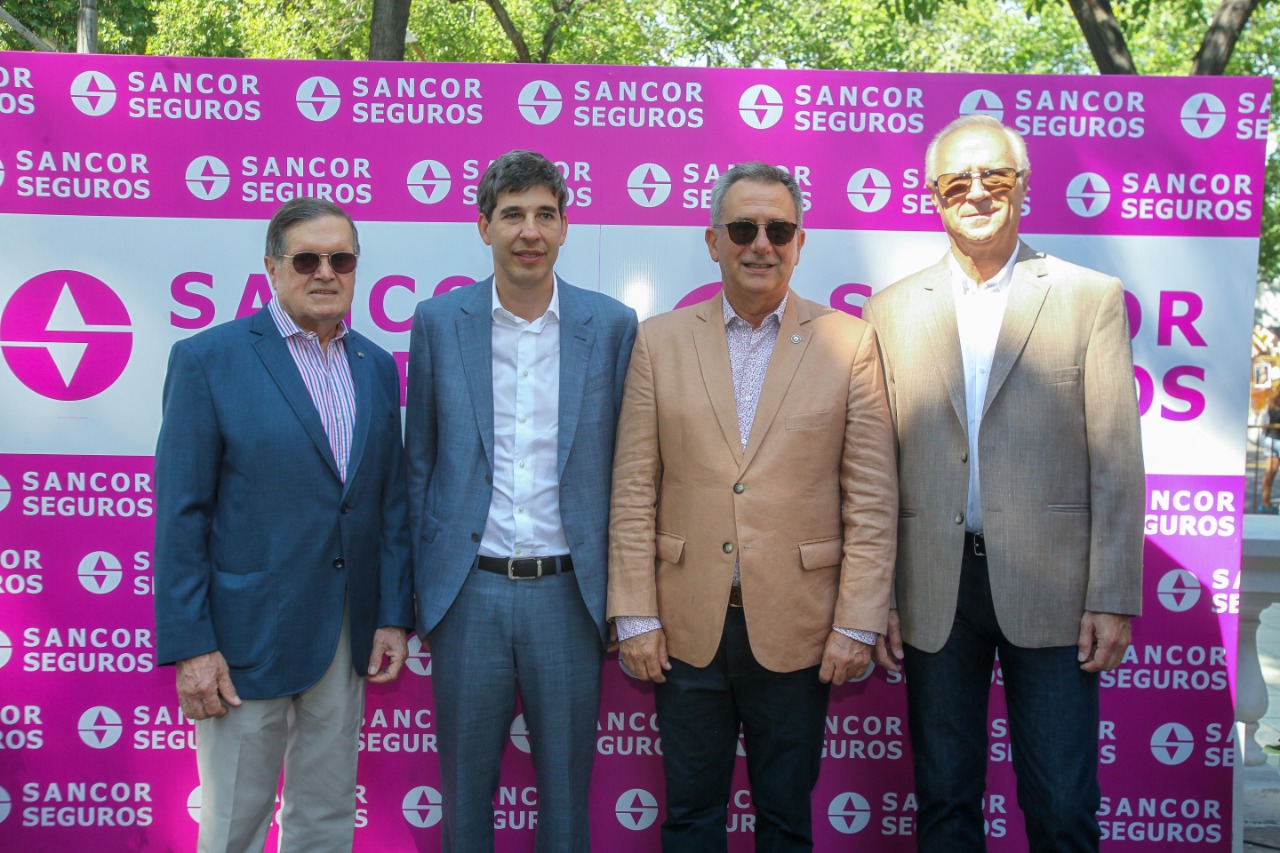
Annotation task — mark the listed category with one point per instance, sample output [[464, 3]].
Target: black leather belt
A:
[[975, 544], [735, 596], [528, 568]]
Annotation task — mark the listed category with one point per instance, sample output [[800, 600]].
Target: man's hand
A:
[[1104, 637], [843, 659], [645, 656], [394, 644], [889, 646], [204, 685]]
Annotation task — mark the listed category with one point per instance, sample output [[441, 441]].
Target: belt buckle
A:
[[979, 545], [511, 570]]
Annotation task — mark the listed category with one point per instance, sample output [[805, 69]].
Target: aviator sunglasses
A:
[[956, 184], [305, 263], [743, 231]]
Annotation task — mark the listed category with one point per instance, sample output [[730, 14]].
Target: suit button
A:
[[488, 478], [727, 547], [959, 519], [475, 537], [339, 563], [346, 508], [738, 488], [964, 457]]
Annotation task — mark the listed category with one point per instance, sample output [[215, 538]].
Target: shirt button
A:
[[521, 463], [525, 374], [738, 488], [339, 563], [959, 519], [727, 547], [520, 509], [519, 551], [523, 419]]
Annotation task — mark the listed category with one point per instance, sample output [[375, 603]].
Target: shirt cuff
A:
[[867, 638], [634, 626]]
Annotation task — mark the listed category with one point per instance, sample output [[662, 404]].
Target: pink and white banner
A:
[[134, 194]]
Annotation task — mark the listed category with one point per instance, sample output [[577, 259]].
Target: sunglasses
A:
[[744, 231], [956, 184], [305, 263]]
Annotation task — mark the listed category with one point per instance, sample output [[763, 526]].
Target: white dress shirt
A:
[[524, 512], [979, 313]]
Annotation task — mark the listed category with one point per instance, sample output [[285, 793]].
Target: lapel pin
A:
[[359, 354], [795, 339]]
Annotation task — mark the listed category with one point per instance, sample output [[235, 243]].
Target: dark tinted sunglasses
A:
[[743, 231], [305, 263], [956, 184]]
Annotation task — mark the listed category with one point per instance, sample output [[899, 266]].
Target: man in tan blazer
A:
[[752, 527], [1020, 527]]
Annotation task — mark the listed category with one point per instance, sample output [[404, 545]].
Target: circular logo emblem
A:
[[1088, 194], [419, 661], [520, 734], [649, 185], [208, 178], [193, 804], [65, 335], [1178, 590], [869, 190], [428, 181], [1203, 115], [5, 493], [849, 813], [421, 807], [1, 174], [100, 727], [6, 804], [539, 102], [636, 809], [760, 106], [93, 93], [99, 572], [318, 99], [1172, 744], [982, 102], [6, 649]]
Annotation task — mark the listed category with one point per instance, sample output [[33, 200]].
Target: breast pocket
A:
[[808, 420]]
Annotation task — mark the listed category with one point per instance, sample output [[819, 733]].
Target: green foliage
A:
[[277, 29], [123, 25]]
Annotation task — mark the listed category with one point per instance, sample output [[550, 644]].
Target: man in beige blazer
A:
[[1020, 527], [752, 528]]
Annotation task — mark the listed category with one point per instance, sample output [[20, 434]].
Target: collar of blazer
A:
[[713, 356], [277, 359]]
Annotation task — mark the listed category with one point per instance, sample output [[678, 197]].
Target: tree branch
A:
[[562, 11], [35, 40], [1103, 35], [1224, 31], [513, 34]]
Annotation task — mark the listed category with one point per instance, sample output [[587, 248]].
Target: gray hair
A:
[[1016, 142], [515, 172], [760, 173], [303, 209]]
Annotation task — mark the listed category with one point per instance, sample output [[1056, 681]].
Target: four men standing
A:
[[746, 527]]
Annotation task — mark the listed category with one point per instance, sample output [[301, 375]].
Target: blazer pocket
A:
[[1073, 508], [430, 527], [808, 420], [243, 610], [669, 548], [1062, 375], [821, 553]]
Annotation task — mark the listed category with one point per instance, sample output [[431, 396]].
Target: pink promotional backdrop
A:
[[134, 194]]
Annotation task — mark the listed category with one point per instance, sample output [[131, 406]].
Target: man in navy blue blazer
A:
[[515, 384], [282, 555]]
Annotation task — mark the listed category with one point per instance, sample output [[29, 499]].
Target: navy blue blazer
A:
[[258, 541], [449, 436]]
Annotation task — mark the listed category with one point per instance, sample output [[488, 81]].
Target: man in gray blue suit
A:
[[282, 554], [515, 384]]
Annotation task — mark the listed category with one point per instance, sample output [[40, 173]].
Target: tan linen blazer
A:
[[1062, 480], [808, 509]]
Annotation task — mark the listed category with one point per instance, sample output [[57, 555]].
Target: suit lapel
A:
[[577, 339], [275, 355], [942, 334], [475, 340], [713, 360], [1027, 292], [788, 350], [362, 383]]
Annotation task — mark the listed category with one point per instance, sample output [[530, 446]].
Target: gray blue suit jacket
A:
[[449, 436], [258, 541]]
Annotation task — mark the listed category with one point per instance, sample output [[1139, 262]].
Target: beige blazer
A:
[[1062, 480], [808, 509]]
